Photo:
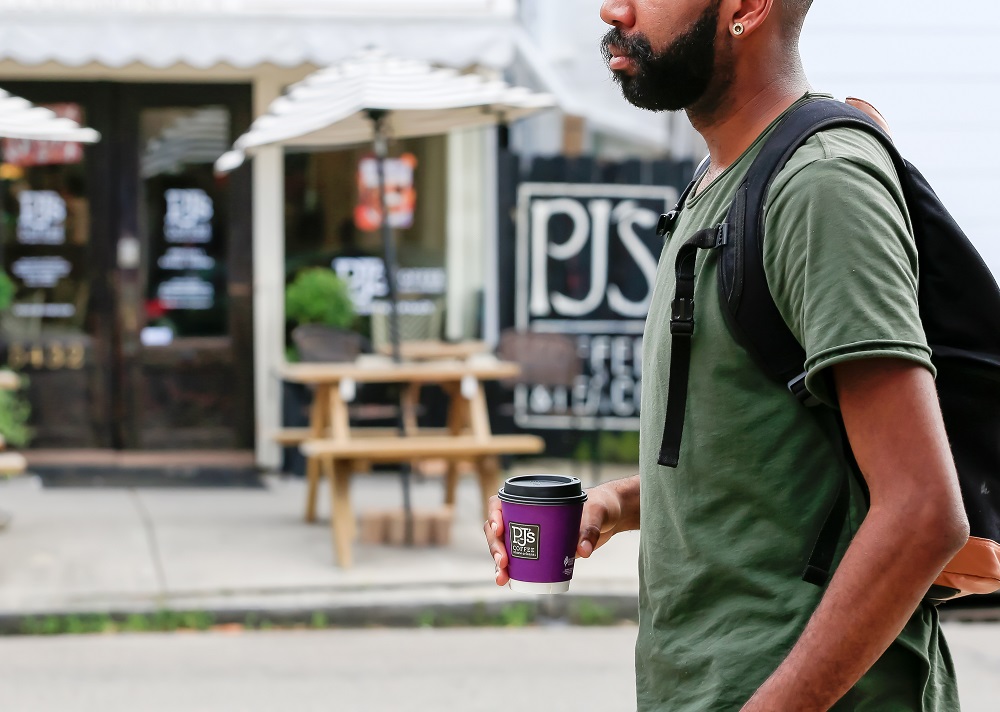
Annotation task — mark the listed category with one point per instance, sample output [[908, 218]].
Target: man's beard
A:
[[677, 77]]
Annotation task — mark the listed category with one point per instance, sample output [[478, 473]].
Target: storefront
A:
[[149, 313]]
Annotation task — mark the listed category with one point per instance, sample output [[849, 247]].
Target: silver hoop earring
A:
[[737, 28]]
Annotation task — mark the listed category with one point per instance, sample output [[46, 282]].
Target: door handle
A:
[[129, 252]]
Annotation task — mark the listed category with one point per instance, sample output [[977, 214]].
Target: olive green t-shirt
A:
[[725, 536]]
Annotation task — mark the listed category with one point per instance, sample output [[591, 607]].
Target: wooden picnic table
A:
[[336, 449], [435, 349]]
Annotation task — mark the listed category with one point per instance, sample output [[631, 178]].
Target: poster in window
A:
[[400, 194]]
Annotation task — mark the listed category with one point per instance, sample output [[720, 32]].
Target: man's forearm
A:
[[885, 573]]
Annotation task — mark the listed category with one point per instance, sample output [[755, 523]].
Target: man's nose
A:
[[618, 13]]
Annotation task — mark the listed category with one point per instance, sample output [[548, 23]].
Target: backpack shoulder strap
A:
[[749, 308]]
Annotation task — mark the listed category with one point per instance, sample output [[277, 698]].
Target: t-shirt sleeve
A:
[[841, 265]]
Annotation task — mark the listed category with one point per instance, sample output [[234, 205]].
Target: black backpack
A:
[[959, 309]]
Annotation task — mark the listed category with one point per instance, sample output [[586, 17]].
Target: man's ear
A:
[[750, 14], [864, 106]]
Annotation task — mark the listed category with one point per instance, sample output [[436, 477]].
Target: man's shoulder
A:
[[832, 151]]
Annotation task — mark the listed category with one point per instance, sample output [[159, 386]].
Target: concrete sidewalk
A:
[[137, 550]]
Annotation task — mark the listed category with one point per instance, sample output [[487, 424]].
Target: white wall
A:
[[932, 70]]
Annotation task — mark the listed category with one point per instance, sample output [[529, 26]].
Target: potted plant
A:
[[318, 296], [15, 410]]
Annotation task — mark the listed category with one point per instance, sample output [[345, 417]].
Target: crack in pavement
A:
[[154, 547]]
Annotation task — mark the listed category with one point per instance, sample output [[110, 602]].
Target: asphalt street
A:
[[550, 669]]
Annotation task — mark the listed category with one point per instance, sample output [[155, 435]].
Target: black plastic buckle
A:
[[682, 316], [722, 235], [797, 387], [711, 238], [666, 222]]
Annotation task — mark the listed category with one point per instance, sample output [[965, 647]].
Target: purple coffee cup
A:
[[541, 516]]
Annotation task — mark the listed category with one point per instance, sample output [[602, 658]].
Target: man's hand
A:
[[611, 507], [914, 526]]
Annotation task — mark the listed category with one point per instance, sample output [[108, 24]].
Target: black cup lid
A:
[[542, 489]]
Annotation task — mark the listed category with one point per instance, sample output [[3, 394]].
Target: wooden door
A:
[[132, 263]]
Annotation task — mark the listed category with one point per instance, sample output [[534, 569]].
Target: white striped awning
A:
[[248, 33]]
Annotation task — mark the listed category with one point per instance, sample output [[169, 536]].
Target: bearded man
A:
[[726, 621]]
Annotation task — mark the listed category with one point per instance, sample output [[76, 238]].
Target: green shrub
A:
[[587, 612], [196, 620], [14, 414], [7, 290], [318, 296], [516, 615]]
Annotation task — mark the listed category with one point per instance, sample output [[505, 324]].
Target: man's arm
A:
[[915, 525], [611, 508]]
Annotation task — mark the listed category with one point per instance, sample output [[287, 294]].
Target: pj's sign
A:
[[586, 263]]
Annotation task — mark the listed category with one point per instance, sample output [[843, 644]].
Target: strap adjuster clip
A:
[[666, 222], [711, 238], [797, 387], [722, 236], [682, 316]]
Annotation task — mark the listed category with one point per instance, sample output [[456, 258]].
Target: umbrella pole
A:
[[389, 249], [388, 244]]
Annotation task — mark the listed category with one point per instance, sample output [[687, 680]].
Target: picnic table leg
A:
[[341, 516], [312, 477], [457, 421], [489, 466], [318, 423], [489, 480], [479, 416], [409, 401], [451, 482]]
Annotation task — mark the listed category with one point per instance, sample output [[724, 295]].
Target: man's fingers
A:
[[494, 538], [589, 536], [494, 530], [494, 520], [502, 577]]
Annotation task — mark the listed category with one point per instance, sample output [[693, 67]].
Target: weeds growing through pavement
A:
[[583, 612]]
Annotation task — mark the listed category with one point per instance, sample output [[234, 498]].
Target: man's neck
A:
[[742, 114]]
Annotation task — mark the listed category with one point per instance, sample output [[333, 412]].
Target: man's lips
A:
[[619, 62]]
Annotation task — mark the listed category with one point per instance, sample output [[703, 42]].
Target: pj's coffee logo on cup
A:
[[524, 539]]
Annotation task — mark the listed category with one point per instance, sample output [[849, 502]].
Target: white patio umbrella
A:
[[332, 107], [369, 96], [19, 118]]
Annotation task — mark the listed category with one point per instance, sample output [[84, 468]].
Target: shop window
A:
[[45, 242], [185, 219], [326, 197]]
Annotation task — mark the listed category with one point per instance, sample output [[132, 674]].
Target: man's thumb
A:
[[588, 540]]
